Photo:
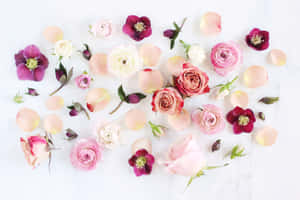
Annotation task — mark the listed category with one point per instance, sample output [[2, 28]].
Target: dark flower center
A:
[[257, 39], [31, 63], [140, 162], [243, 120], [139, 27]]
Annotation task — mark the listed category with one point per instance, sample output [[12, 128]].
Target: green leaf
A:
[[70, 74], [176, 26], [18, 98], [121, 93], [172, 43]]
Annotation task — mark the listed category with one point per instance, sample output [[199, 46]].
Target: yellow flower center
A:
[[243, 120], [140, 162], [139, 27], [256, 40], [31, 63]]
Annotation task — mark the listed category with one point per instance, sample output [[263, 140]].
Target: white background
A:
[[265, 173]]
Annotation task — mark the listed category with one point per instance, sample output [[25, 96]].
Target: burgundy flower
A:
[[31, 64], [169, 33], [137, 28], [86, 53], [258, 39], [32, 92], [242, 120], [141, 162]]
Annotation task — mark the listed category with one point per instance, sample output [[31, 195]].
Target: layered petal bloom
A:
[[137, 28], [63, 48], [83, 81], [191, 81], [196, 54], [108, 134], [124, 61], [242, 120], [102, 28], [31, 64], [225, 57], [35, 148], [85, 154], [142, 162], [209, 119], [258, 39], [185, 157], [167, 100]]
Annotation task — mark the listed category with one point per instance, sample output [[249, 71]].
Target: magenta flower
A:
[[142, 162], [258, 39], [137, 28], [242, 120], [83, 81], [31, 64]]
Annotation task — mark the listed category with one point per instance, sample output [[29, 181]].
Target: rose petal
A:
[[239, 98], [210, 23], [31, 51], [277, 57], [255, 76], [266, 136]]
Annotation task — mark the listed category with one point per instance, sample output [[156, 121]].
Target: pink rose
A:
[[185, 157], [85, 154], [191, 81], [167, 100], [210, 119], [225, 57], [83, 81], [102, 28], [36, 149]]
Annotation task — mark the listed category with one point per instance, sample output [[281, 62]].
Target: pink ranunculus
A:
[[225, 57], [185, 157], [35, 148], [83, 81], [102, 28], [167, 100], [191, 81], [209, 119], [85, 154]]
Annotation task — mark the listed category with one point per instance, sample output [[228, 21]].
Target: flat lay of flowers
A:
[[164, 87]]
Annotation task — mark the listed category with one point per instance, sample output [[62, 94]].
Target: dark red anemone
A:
[[141, 162], [258, 39], [137, 28], [242, 120]]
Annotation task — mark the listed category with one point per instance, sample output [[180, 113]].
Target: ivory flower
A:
[[108, 135], [63, 48], [102, 28]]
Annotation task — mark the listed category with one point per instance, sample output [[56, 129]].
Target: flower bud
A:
[[169, 33]]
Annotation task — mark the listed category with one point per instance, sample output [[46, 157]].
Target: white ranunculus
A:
[[196, 54], [124, 61], [102, 28], [108, 135], [63, 48]]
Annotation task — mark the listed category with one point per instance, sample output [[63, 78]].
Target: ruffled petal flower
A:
[[258, 39], [137, 28], [142, 162]]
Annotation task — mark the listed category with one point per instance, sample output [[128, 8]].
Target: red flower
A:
[[142, 162], [137, 28], [192, 81], [242, 120], [258, 39]]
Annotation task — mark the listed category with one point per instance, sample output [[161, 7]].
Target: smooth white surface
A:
[[266, 173]]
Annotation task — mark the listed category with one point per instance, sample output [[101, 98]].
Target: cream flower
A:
[[124, 61], [196, 54], [63, 48], [108, 135], [102, 28]]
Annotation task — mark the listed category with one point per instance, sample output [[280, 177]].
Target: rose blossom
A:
[[102, 28], [225, 57], [191, 81], [85, 154], [83, 81], [185, 157], [63, 48], [167, 100], [209, 119], [108, 135], [36, 149]]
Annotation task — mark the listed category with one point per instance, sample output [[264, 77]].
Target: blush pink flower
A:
[[86, 154], [83, 81], [185, 157], [191, 81], [167, 100], [137, 28], [225, 57], [36, 149], [102, 28], [209, 119]]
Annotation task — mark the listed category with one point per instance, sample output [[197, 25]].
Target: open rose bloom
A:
[[36, 149], [185, 157], [209, 119], [191, 81]]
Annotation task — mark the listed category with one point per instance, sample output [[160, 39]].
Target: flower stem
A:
[[114, 110], [60, 87], [87, 114]]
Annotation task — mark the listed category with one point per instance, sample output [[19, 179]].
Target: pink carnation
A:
[[209, 119], [85, 154], [225, 57], [83, 81]]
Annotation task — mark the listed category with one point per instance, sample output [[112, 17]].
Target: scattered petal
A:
[[53, 34], [150, 54], [239, 98], [180, 121], [98, 64], [98, 99], [135, 119], [27, 119], [266, 136], [277, 57], [255, 76], [174, 65], [54, 103], [53, 124], [141, 143], [210, 23], [150, 80]]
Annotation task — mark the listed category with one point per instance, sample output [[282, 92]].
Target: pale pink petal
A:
[[135, 119], [98, 98], [98, 64], [255, 76], [266, 136], [53, 34], [27, 119], [54, 103], [53, 124], [150, 54], [180, 121], [210, 23], [141, 143], [239, 98], [174, 65], [150, 80], [277, 57]]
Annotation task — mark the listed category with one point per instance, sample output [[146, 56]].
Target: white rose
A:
[[124, 61], [109, 135], [63, 48], [196, 54]]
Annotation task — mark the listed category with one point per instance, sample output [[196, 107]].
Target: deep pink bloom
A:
[[169, 33], [242, 120], [86, 154], [83, 81], [258, 39], [137, 28], [133, 98], [191, 81], [31, 64], [142, 162]]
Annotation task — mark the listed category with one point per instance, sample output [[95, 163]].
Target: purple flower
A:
[[137, 28], [169, 33], [142, 162], [86, 53], [76, 108], [258, 39], [32, 92], [135, 98], [73, 112], [31, 64]]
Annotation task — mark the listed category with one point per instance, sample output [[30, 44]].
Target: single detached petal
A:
[[255, 76], [266, 136], [31, 51], [277, 57], [24, 73], [239, 98], [210, 23]]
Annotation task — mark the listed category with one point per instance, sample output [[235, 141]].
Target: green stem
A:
[[118, 106], [60, 87]]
